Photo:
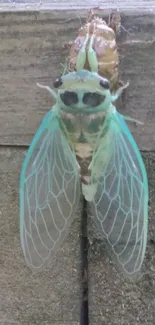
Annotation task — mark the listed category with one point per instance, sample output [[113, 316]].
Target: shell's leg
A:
[[115, 21], [92, 57], [91, 13], [81, 57], [67, 45]]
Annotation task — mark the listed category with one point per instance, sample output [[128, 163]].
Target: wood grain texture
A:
[[31, 51], [50, 297], [123, 5], [114, 300]]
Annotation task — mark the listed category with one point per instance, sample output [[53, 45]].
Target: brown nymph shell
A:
[[104, 45]]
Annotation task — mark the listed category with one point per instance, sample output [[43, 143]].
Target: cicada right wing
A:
[[120, 205]]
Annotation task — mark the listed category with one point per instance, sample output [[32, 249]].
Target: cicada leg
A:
[[119, 92], [92, 57], [65, 68], [81, 57], [51, 91], [123, 94]]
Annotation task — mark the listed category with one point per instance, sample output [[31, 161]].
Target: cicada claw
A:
[[51, 91]]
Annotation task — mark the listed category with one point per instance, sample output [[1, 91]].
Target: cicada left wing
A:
[[49, 192], [120, 205]]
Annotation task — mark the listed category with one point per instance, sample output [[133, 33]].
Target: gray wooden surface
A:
[[31, 51], [53, 296], [43, 5], [50, 297]]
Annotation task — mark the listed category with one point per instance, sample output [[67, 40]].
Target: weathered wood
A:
[[50, 297], [31, 51], [142, 5], [114, 300]]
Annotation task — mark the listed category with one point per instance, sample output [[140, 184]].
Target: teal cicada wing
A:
[[120, 205], [49, 192]]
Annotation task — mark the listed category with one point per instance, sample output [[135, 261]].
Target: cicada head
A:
[[83, 92]]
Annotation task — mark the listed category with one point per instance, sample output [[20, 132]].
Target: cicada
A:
[[95, 48], [84, 123]]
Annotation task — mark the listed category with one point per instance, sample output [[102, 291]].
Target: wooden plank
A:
[[31, 51], [50, 297], [18, 5], [113, 299]]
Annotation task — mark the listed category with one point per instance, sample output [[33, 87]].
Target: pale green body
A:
[[83, 132], [87, 128], [84, 123]]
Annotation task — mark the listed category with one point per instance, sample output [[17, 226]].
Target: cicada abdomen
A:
[[95, 48]]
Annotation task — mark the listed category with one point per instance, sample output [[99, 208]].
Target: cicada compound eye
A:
[[58, 82], [104, 83]]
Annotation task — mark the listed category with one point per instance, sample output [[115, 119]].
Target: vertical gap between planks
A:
[[84, 316]]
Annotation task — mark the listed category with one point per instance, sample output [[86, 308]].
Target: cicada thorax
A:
[[82, 132], [100, 38]]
